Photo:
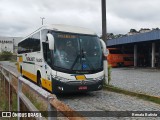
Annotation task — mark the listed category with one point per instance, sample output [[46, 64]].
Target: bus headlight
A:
[[67, 80], [60, 88]]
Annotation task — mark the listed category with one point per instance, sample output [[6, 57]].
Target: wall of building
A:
[[6, 45], [9, 44]]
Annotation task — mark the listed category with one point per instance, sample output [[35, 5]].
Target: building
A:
[[144, 30], [145, 47], [9, 44]]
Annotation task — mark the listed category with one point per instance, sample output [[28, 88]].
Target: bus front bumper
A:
[[76, 86]]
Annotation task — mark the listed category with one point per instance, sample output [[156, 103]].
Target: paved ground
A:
[[109, 101], [138, 80], [105, 101], [11, 65]]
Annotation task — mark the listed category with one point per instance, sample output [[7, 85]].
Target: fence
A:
[[10, 81]]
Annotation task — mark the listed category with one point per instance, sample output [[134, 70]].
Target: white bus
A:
[[61, 59]]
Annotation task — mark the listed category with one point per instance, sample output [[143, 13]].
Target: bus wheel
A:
[[39, 80]]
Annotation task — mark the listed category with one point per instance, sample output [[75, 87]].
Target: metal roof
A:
[[141, 37]]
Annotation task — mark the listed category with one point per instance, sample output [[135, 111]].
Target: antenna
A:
[[42, 19]]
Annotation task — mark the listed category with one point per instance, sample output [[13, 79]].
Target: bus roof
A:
[[68, 28], [63, 28]]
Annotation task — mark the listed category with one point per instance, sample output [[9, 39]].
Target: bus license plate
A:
[[82, 87]]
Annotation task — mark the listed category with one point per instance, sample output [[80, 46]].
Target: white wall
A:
[[6, 44]]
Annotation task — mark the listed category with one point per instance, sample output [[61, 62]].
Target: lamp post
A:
[[104, 25], [42, 19]]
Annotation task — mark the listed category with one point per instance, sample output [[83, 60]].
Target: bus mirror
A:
[[50, 41], [105, 50]]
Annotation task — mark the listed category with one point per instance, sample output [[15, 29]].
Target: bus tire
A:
[[39, 79]]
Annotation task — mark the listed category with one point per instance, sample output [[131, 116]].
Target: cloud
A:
[[21, 17], [134, 13], [135, 9], [26, 14]]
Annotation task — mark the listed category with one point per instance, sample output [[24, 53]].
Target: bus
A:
[[62, 59], [117, 58]]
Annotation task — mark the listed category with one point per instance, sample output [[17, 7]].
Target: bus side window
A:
[[46, 53]]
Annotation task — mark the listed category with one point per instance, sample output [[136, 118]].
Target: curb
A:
[[151, 98]]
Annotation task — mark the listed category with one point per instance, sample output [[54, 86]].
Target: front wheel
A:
[[39, 80]]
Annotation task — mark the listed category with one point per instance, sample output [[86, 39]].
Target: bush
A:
[[5, 55], [109, 73]]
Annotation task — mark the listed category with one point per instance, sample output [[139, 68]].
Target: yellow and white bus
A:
[[62, 59]]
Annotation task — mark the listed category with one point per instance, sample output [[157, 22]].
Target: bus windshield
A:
[[77, 52]]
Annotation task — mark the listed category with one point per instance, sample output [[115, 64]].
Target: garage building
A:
[[145, 44]]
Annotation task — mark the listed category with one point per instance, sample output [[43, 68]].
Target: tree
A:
[[5, 55], [133, 30]]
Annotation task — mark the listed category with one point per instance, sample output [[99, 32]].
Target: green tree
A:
[[5, 55]]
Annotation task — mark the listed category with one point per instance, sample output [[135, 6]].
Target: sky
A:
[[19, 18]]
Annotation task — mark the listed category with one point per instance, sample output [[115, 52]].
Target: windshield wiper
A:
[[84, 56], [78, 56]]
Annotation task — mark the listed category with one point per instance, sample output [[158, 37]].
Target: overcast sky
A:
[[21, 17]]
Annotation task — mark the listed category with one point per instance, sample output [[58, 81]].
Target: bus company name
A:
[[30, 58]]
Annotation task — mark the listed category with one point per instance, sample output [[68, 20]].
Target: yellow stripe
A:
[[20, 59], [80, 77], [30, 75], [47, 84]]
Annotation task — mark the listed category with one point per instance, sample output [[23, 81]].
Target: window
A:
[[46, 53], [31, 44]]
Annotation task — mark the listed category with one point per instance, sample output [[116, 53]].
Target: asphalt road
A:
[[104, 101]]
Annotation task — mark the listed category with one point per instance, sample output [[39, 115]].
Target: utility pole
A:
[[42, 19], [104, 37], [104, 25]]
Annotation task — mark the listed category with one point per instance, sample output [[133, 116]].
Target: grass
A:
[[4, 105], [38, 102], [130, 93], [14, 104], [34, 98], [13, 60], [109, 73]]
